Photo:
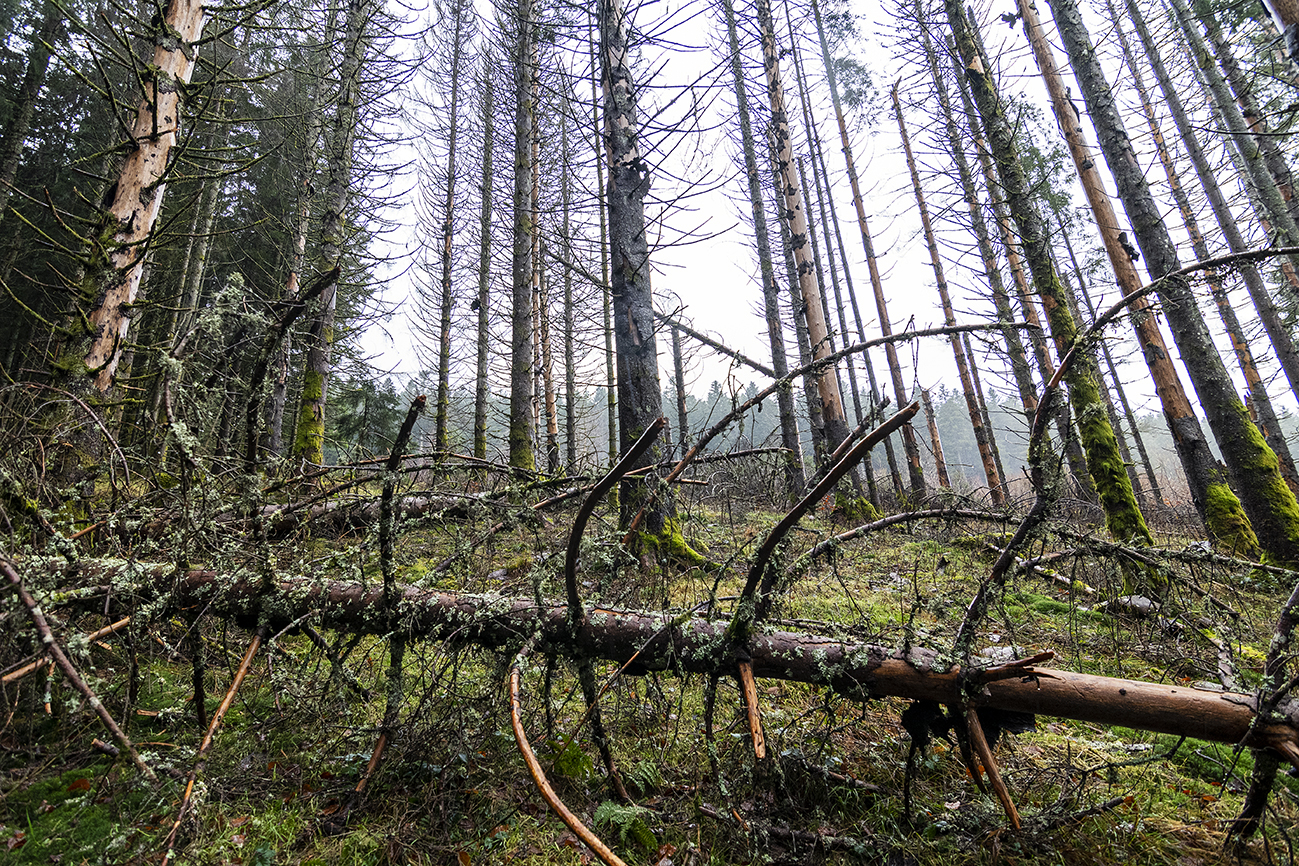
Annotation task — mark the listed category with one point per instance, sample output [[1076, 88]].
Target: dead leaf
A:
[[330, 808], [17, 840], [238, 840], [463, 858], [241, 820], [79, 785]]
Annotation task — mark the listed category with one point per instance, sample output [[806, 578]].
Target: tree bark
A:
[[931, 420], [917, 475], [795, 480], [794, 217], [1104, 463], [481, 390], [949, 315], [639, 397], [695, 645], [309, 433], [112, 280], [1283, 342], [442, 400], [1267, 500], [522, 427]]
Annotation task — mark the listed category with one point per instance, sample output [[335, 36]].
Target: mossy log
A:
[[660, 641]]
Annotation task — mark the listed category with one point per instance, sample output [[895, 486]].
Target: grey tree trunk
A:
[[931, 421], [309, 434], [1039, 337], [458, 10], [522, 427], [794, 218], [789, 436], [917, 475], [610, 378], [1267, 500], [949, 314], [1104, 462], [570, 360], [1264, 192], [639, 397], [1117, 382], [481, 392], [1265, 413], [679, 379], [1283, 342]]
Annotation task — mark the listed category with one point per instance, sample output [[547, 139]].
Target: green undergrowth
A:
[[453, 787]]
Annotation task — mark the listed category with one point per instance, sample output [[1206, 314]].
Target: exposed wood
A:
[[750, 691]]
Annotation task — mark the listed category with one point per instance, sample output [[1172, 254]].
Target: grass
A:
[[452, 788]]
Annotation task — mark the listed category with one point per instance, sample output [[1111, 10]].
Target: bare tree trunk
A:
[[547, 367], [570, 361], [868, 246], [611, 382], [309, 434], [1265, 194], [940, 464], [639, 397], [1038, 336], [1128, 414], [442, 400], [861, 330], [111, 281], [1283, 342], [481, 391], [1019, 366], [679, 374], [789, 438], [983, 411], [1104, 462], [1220, 517], [522, 427], [949, 314], [795, 220], [1267, 500]]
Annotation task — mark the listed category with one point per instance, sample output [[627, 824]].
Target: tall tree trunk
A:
[[1019, 366], [1039, 337], [1283, 341], [983, 411], [570, 361], [1267, 500], [1257, 391], [868, 246], [949, 314], [1117, 381], [15, 132], [679, 378], [111, 281], [789, 438], [481, 390], [1213, 499], [1104, 462], [639, 397], [443, 397], [861, 329], [547, 367], [522, 426], [606, 291], [794, 218], [1265, 195], [931, 420], [309, 435]]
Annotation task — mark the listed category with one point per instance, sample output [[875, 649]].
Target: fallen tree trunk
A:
[[687, 643]]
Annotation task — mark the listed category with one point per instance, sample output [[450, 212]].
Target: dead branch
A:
[[538, 775], [23, 671], [60, 658]]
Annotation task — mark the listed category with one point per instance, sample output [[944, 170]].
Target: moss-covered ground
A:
[[453, 788]]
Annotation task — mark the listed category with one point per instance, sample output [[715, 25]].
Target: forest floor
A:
[[453, 788]]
